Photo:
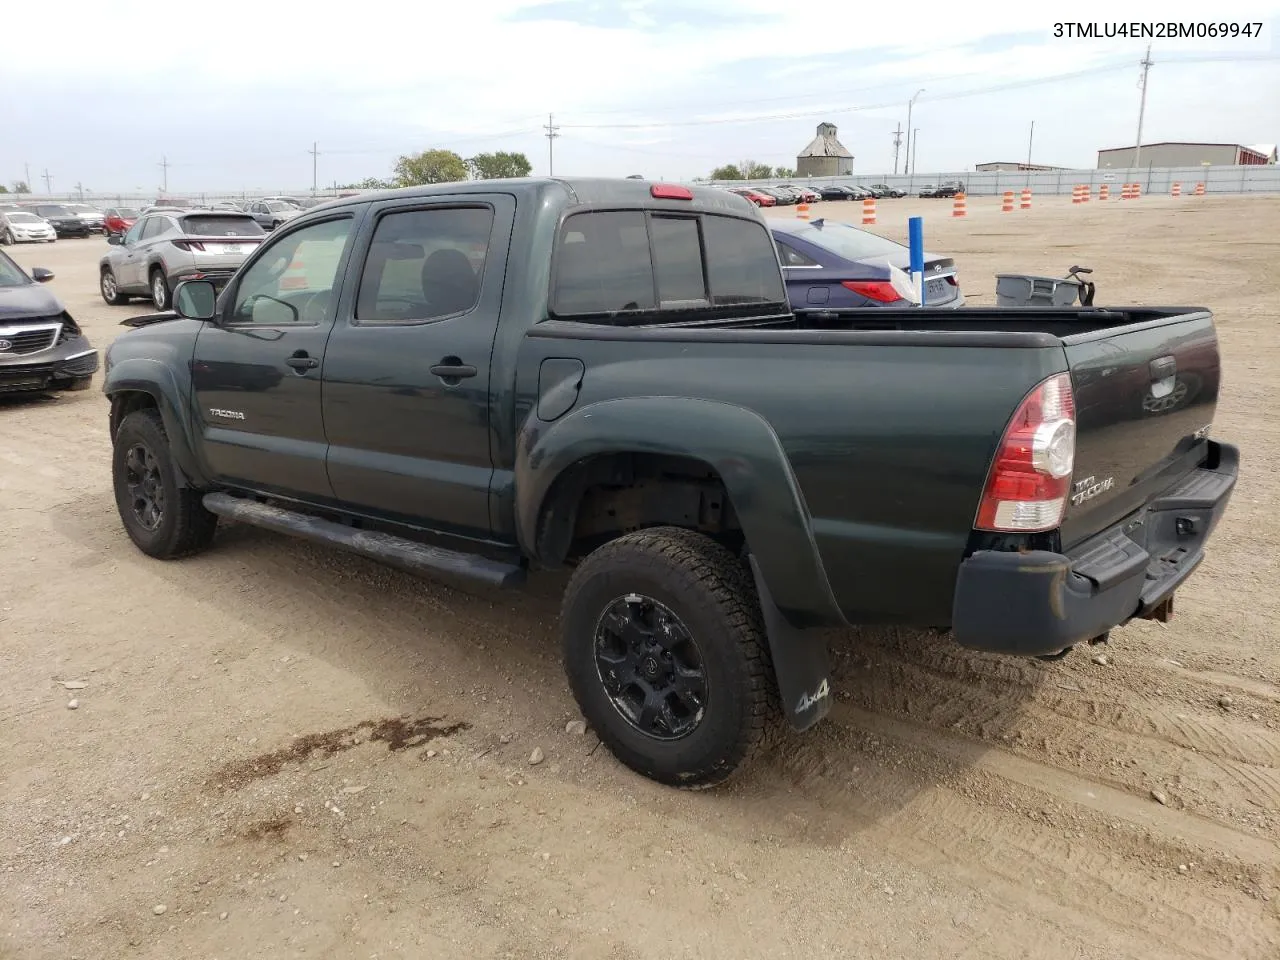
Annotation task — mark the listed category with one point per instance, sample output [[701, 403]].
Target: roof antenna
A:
[[818, 222]]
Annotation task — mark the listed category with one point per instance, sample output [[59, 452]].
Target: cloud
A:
[[699, 82]]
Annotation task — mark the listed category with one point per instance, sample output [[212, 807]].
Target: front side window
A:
[[135, 232], [424, 265], [292, 281]]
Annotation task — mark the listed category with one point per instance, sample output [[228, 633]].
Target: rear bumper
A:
[[1040, 603]]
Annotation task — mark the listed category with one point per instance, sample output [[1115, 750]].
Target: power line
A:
[[973, 92]]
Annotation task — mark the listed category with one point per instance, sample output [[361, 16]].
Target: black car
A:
[[65, 222], [41, 347], [837, 192], [948, 188]]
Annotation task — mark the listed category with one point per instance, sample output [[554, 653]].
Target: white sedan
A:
[[21, 227]]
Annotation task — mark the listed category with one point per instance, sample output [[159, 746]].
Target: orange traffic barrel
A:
[[1006, 205], [802, 211], [1026, 199], [869, 211], [1104, 192], [958, 208]]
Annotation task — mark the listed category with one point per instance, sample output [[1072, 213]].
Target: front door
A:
[[406, 379], [256, 372], [126, 265]]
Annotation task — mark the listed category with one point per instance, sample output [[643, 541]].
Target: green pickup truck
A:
[[472, 379]]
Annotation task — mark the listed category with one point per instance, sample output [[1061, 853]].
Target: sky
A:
[[663, 88]]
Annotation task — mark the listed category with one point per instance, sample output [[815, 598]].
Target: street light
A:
[[911, 103]]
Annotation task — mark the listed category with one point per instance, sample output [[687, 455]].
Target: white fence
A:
[[1154, 180]]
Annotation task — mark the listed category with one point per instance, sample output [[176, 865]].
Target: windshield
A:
[[11, 274], [54, 211], [277, 206], [126, 213], [221, 225], [846, 241], [22, 218]]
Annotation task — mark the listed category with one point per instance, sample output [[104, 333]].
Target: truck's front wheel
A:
[[666, 655], [162, 517]]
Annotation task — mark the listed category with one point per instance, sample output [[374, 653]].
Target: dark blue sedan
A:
[[834, 265]]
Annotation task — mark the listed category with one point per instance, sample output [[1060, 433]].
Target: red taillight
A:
[[1031, 477], [881, 290], [670, 191]]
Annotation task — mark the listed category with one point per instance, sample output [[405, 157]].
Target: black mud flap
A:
[[800, 662]]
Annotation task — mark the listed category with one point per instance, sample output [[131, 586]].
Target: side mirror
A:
[[41, 275], [115, 239], [195, 299]]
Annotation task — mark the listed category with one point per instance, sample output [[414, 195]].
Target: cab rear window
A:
[[636, 266]]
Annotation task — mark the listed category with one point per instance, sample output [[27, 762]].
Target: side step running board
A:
[[385, 547]]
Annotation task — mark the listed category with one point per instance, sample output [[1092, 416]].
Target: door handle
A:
[[303, 362], [451, 368]]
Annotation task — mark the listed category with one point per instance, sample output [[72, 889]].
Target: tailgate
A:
[[1145, 397]]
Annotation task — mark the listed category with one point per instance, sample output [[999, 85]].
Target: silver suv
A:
[[270, 213], [166, 247]]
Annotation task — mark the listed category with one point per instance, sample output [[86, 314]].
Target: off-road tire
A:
[[185, 526], [712, 594]]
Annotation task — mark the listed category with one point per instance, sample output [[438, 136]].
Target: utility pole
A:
[[897, 144], [552, 132], [1031, 136], [48, 181], [315, 153], [164, 165], [915, 148], [1142, 107], [26, 169], [79, 190], [911, 103]]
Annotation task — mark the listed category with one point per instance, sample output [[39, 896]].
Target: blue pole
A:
[[915, 229]]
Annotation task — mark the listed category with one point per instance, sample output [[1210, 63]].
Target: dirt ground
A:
[[280, 750]]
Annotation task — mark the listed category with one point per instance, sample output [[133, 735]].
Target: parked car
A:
[[41, 347], [947, 189], [119, 219], [807, 194], [92, 216], [170, 203], [757, 197], [836, 192], [20, 226], [884, 190], [272, 213], [783, 196], [65, 223], [829, 264], [494, 376], [165, 248]]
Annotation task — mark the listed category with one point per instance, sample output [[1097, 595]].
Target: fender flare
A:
[[157, 380], [737, 443]]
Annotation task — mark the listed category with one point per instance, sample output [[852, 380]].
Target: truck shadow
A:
[[912, 711]]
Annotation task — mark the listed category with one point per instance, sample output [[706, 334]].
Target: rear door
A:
[[256, 372], [1145, 398], [407, 384]]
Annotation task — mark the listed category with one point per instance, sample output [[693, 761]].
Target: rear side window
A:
[[424, 265], [204, 225], [632, 262]]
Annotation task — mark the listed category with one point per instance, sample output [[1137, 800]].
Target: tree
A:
[[20, 186], [755, 171], [368, 183], [784, 173], [727, 172], [430, 166], [3, 188], [499, 166]]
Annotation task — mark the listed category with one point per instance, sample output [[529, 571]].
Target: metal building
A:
[[1182, 155], [1008, 165], [825, 156]]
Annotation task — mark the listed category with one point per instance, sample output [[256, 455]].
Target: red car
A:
[[118, 220], [759, 199]]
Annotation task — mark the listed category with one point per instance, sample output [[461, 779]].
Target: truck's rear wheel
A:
[[666, 655], [163, 518]]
